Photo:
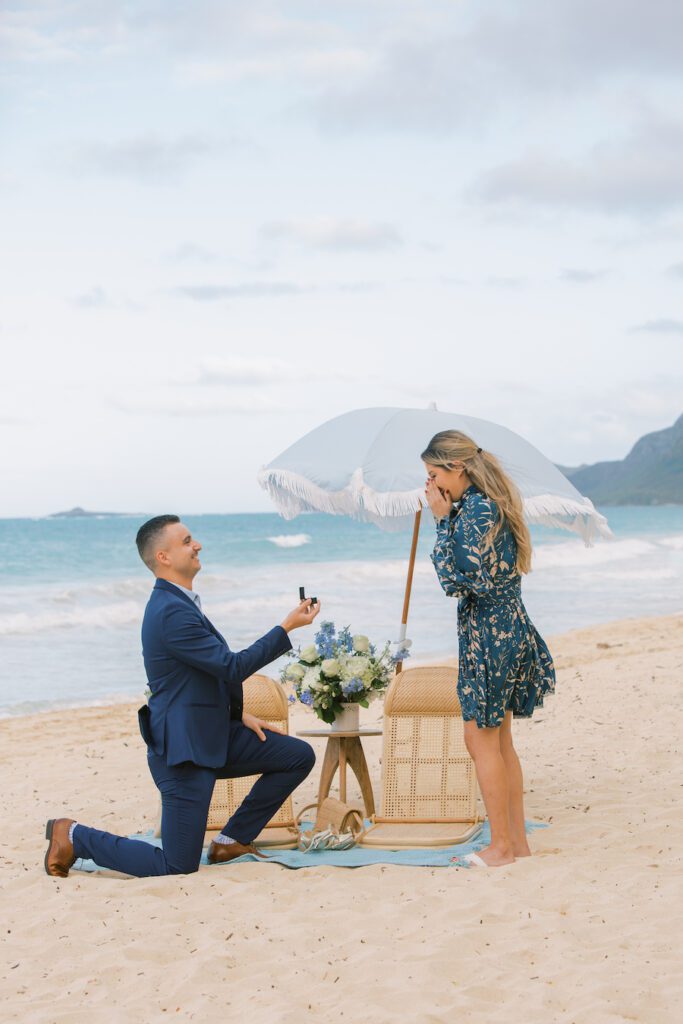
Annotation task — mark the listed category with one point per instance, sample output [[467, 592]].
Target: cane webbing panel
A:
[[428, 774], [265, 699], [430, 690]]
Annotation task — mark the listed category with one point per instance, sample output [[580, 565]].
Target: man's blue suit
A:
[[194, 734]]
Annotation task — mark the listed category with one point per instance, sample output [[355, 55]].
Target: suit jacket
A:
[[195, 679]]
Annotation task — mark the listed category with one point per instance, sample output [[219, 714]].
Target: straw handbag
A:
[[337, 827]]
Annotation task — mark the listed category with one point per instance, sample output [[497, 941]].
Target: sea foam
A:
[[106, 616], [290, 540], [574, 554], [675, 542]]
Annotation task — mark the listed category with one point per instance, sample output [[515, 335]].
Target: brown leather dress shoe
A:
[[60, 852], [219, 853]]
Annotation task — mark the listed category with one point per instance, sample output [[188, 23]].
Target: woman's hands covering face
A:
[[439, 501]]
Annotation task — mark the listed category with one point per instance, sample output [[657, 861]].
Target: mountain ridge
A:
[[651, 473]]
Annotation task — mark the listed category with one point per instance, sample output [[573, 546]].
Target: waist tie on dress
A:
[[505, 592]]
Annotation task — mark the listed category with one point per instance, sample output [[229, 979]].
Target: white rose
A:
[[361, 643], [295, 673], [357, 666], [309, 654], [330, 667]]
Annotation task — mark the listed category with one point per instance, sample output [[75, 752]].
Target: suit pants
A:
[[283, 762]]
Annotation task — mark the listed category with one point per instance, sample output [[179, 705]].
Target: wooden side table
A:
[[345, 748]]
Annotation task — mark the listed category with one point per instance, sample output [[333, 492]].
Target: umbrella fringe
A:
[[578, 516], [385, 503], [292, 494]]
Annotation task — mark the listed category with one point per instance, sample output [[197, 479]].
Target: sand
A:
[[588, 930]]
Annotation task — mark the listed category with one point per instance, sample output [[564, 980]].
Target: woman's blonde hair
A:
[[452, 448]]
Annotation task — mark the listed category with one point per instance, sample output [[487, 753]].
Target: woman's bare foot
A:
[[521, 849], [496, 856]]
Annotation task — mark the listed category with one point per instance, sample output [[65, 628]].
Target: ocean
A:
[[73, 590]]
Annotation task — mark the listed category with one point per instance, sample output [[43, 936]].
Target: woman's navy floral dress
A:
[[504, 664]]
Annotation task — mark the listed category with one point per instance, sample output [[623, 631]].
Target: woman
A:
[[482, 549]]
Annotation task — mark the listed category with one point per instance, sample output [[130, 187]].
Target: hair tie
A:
[[478, 451]]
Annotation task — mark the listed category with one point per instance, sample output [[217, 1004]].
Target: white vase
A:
[[347, 721]]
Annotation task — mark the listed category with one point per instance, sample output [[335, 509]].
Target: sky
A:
[[226, 222]]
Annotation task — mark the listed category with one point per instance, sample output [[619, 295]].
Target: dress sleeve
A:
[[190, 641], [457, 554]]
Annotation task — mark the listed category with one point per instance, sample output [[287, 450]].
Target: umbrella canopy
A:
[[366, 464]]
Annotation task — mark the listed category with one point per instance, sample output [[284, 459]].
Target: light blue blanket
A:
[[358, 857]]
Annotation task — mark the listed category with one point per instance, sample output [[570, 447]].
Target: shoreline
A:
[[117, 700]]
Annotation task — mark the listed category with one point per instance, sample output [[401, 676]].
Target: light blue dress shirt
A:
[[190, 593]]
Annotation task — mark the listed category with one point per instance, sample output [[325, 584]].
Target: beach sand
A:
[[587, 931]]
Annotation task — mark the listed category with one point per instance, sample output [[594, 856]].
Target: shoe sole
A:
[[255, 853], [48, 835]]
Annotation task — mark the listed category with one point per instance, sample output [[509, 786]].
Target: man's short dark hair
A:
[[148, 535]]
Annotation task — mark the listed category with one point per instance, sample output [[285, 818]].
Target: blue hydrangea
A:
[[306, 698], [353, 686], [325, 640], [345, 640], [395, 658]]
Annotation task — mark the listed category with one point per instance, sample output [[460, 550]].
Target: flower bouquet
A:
[[338, 669]]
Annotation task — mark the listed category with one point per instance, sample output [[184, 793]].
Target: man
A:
[[194, 725]]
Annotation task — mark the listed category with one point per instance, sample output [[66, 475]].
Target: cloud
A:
[[24, 38], [250, 289], [251, 30], [323, 64], [576, 275], [452, 281], [339, 235], [145, 158], [359, 286], [578, 43], [506, 282], [445, 76], [178, 404], [94, 298], [243, 372], [191, 252], [208, 41], [227, 385], [662, 326], [640, 176], [237, 371], [97, 298], [268, 289], [188, 252], [36, 32]]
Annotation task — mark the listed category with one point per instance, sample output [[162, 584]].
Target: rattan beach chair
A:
[[265, 699], [429, 788]]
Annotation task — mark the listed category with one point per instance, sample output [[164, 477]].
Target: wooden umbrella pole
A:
[[409, 582]]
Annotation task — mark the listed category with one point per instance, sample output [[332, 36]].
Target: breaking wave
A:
[[290, 540]]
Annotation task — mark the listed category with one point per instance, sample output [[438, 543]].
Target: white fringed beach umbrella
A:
[[366, 464]]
